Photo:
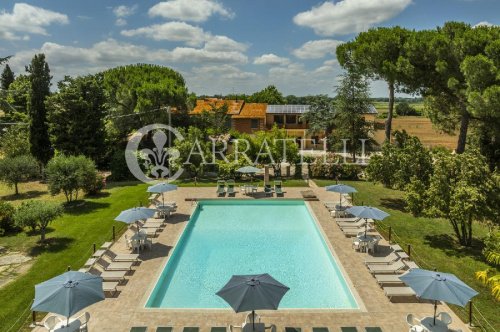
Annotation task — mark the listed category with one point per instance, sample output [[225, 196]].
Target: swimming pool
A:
[[226, 237]]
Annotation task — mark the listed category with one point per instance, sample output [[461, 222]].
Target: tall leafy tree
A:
[[376, 53], [39, 76], [139, 95], [14, 170], [7, 78], [433, 67], [3, 60], [321, 115], [76, 117], [353, 99], [37, 215], [269, 95]]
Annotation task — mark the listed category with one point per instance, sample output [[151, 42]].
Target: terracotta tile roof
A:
[[252, 110], [234, 106]]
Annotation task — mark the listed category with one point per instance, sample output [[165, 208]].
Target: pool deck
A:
[[127, 309]]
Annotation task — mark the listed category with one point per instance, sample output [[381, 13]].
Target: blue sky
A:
[[219, 46]]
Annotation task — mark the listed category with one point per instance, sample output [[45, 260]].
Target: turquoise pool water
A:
[[226, 237]]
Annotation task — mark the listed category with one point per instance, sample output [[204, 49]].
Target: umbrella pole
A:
[[253, 320], [435, 309], [162, 199], [366, 226]]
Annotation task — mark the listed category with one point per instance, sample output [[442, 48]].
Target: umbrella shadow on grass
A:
[[51, 245], [83, 207], [393, 203], [448, 244]]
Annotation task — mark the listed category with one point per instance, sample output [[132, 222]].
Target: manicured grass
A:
[[432, 241], [28, 190], [69, 243]]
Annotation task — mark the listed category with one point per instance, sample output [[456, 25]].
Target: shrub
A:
[[93, 188], [70, 174], [6, 218], [37, 215], [18, 169], [333, 169], [406, 109], [119, 168]]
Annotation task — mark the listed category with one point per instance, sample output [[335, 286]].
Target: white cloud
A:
[[222, 72], [271, 59], [349, 16], [121, 12], [316, 49], [171, 31], [26, 19], [223, 43], [484, 23], [189, 10]]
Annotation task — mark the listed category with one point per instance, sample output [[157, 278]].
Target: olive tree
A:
[[37, 215], [18, 169]]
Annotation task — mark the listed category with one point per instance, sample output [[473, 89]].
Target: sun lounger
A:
[[392, 257], [139, 329], [391, 292], [230, 190], [347, 219], [268, 190], [278, 189], [106, 245], [115, 266], [293, 329], [220, 189], [356, 224], [320, 329], [109, 287], [395, 267], [191, 329], [355, 231], [99, 253], [164, 329], [122, 257], [373, 329], [348, 329], [218, 329], [384, 279], [411, 265], [108, 275]]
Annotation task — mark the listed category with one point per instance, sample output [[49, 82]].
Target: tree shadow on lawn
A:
[[119, 184], [51, 245], [393, 203], [32, 194], [449, 245], [80, 207]]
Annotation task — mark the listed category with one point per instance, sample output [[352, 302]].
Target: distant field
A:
[[419, 126]]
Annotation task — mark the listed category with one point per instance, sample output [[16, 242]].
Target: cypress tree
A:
[[7, 78], [39, 90]]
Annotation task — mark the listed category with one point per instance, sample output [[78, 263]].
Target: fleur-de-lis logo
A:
[[157, 158]]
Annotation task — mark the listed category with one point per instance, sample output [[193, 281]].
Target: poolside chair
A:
[[138, 329], [84, 320], [250, 318], [122, 257], [191, 329], [412, 320], [349, 329], [392, 279], [395, 267], [108, 275], [391, 258], [278, 188], [354, 224], [411, 265], [110, 287], [268, 190], [51, 321], [115, 266], [221, 188], [373, 329], [320, 329], [391, 292], [218, 329], [106, 245], [293, 329], [164, 329], [445, 317], [230, 189]]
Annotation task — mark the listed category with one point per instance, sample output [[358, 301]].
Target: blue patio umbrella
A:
[[253, 292], [438, 286], [367, 212], [342, 189], [135, 214], [68, 293], [162, 187], [248, 170]]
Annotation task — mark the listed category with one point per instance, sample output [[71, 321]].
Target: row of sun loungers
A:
[[286, 329], [248, 190]]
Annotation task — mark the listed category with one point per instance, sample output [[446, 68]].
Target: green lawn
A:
[[70, 240], [432, 241]]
